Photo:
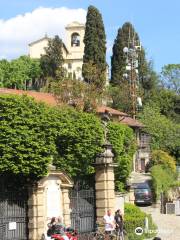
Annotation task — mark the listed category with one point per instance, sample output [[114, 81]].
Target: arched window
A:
[[75, 40]]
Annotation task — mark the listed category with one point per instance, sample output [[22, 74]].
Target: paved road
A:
[[136, 178], [168, 225]]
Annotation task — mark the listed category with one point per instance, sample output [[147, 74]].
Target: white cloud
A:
[[16, 33]]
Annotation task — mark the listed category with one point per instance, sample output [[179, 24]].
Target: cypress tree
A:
[[52, 61], [125, 36], [94, 60], [147, 79]]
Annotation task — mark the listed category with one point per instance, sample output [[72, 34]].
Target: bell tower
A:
[[75, 35]]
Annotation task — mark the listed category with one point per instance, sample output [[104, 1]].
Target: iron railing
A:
[[82, 203], [13, 214]]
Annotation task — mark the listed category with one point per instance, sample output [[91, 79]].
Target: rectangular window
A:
[[69, 65]]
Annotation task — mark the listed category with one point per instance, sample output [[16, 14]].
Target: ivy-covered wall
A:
[[32, 135], [124, 146]]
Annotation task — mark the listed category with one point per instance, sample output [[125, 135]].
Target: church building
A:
[[73, 49]]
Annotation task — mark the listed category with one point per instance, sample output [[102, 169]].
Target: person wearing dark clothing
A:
[[51, 226], [57, 227], [119, 222]]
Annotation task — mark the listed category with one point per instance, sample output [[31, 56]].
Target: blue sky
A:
[[156, 21]]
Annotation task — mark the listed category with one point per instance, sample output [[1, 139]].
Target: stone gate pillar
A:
[[35, 212], [66, 206], [48, 198], [105, 192]]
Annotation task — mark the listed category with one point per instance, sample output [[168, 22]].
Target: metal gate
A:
[[170, 208], [82, 203], [13, 214]]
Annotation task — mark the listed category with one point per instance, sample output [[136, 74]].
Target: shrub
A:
[[165, 134], [26, 138], [31, 133], [79, 140], [134, 218], [124, 146], [162, 179], [160, 157]]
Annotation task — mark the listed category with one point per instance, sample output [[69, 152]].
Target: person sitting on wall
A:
[[51, 226], [59, 228]]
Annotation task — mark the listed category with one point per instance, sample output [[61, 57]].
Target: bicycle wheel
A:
[[112, 236], [100, 236], [92, 236]]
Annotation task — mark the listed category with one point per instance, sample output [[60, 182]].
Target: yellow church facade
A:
[[73, 49]]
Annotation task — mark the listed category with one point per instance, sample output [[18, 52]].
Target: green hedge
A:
[[124, 147], [134, 218], [33, 135], [162, 179]]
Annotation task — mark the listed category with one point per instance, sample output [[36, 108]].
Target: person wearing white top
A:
[[109, 222]]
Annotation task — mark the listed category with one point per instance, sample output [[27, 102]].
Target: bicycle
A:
[[114, 235], [96, 235], [109, 236]]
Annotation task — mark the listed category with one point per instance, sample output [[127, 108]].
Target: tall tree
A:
[[20, 73], [122, 72], [94, 59], [119, 97], [165, 134], [125, 38], [52, 61], [167, 101], [171, 77], [4, 73]]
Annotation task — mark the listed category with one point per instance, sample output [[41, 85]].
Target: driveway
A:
[[168, 225], [136, 178]]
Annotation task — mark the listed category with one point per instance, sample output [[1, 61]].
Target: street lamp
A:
[[125, 49]]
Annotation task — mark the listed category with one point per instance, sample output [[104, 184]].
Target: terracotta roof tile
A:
[[131, 122], [38, 96], [50, 100], [102, 109]]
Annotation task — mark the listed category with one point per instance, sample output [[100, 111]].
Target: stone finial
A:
[[51, 167], [105, 157]]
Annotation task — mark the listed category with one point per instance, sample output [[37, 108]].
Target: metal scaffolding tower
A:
[[131, 53]]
